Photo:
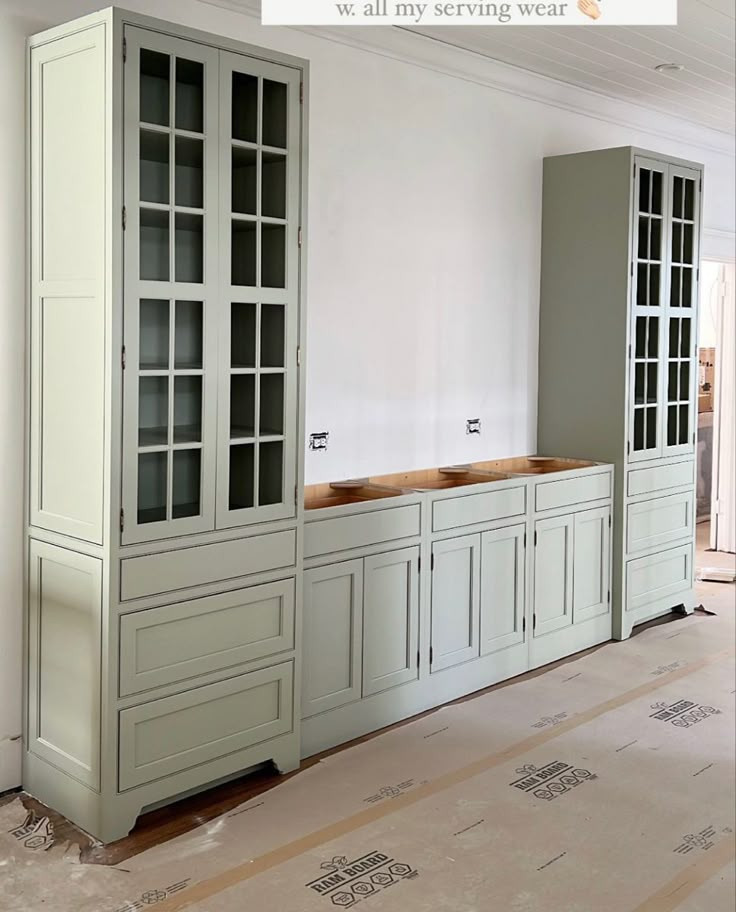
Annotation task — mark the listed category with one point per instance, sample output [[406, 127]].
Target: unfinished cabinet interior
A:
[[618, 362], [164, 534]]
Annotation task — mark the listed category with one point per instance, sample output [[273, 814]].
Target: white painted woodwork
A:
[[553, 577], [69, 170], [189, 567], [332, 636], [64, 638], [654, 523], [664, 576], [659, 478], [455, 601], [177, 642], [502, 588], [470, 509], [390, 620], [172, 734], [327, 536], [592, 564], [568, 492]]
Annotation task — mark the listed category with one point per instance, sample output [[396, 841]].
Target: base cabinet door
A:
[[592, 564], [455, 601], [553, 564], [390, 620], [332, 630], [503, 561]]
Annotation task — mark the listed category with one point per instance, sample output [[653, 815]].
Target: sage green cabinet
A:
[[553, 565], [502, 588], [592, 564], [455, 601]]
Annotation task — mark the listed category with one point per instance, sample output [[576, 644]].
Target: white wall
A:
[[424, 224]]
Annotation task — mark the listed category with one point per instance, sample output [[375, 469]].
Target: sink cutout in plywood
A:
[[438, 479], [533, 465], [344, 493]]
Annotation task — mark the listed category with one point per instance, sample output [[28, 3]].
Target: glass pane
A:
[[653, 342], [684, 381], [273, 185], [673, 384], [644, 189], [651, 437], [675, 286], [189, 172], [273, 256], [152, 484], [687, 288], [674, 349], [189, 95], [641, 337], [188, 335], [187, 483], [672, 425], [242, 406], [642, 285], [244, 239], [677, 198], [154, 88], [676, 242], [652, 382], [154, 239], [657, 192], [654, 274], [639, 429], [245, 107], [189, 248], [241, 476], [154, 167], [684, 428], [187, 410], [690, 199], [639, 384], [655, 247], [153, 340], [272, 335], [687, 244], [274, 114], [272, 405], [245, 181], [643, 238], [243, 335], [685, 338], [153, 411], [271, 473]]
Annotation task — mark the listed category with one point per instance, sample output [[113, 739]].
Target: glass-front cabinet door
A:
[[171, 286], [648, 309], [680, 311], [259, 262]]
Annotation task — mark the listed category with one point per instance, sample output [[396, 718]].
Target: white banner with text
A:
[[450, 12]]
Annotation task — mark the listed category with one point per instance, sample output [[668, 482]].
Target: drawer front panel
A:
[[642, 481], [650, 579], [176, 642], [658, 522], [328, 536], [188, 567], [167, 736], [478, 508], [570, 491]]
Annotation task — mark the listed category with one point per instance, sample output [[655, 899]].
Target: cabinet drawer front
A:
[[658, 522], [328, 536], [187, 567], [478, 508], [650, 579], [642, 481], [176, 642], [170, 735], [570, 491]]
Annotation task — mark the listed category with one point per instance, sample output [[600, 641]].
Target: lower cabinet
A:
[[553, 563], [455, 601], [592, 564], [360, 628], [502, 586]]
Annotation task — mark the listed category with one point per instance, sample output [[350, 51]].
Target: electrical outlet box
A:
[[318, 441], [472, 426]]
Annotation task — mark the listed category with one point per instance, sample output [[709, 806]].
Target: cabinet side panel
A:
[[67, 364], [584, 305], [64, 669]]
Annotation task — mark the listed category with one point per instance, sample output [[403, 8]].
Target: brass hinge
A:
[[123, 358], [125, 218], [122, 520], [125, 49]]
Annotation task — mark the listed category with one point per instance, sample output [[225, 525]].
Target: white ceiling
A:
[[619, 61]]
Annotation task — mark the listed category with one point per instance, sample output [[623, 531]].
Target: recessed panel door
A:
[[503, 561], [171, 285], [390, 620], [455, 601], [592, 564], [553, 572]]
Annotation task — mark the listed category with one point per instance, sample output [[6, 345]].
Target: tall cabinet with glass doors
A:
[[618, 356], [166, 315]]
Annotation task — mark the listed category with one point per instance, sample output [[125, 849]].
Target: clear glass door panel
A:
[[649, 243], [189, 177], [646, 389], [153, 335], [189, 335], [152, 487], [155, 87], [189, 95], [187, 483], [679, 381]]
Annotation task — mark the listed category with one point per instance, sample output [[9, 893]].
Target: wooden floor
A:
[[166, 823]]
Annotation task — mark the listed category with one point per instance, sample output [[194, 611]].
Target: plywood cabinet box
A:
[[164, 533], [424, 586], [618, 358]]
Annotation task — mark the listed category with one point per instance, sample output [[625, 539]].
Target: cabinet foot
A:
[[287, 761]]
